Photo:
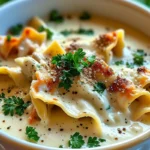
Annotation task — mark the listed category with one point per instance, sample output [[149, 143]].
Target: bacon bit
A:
[[102, 67], [51, 85], [14, 40], [27, 31], [33, 117], [31, 50], [14, 51], [72, 46], [104, 40], [143, 80], [55, 99], [142, 69], [121, 85]]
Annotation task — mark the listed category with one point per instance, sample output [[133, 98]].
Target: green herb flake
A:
[[93, 142], [14, 105], [66, 32], [120, 62], [76, 141], [8, 38], [48, 32], [99, 87], [85, 31], [32, 134], [88, 32], [108, 107], [102, 140], [130, 65], [71, 66], [85, 16], [16, 30], [56, 17], [38, 66], [2, 96], [138, 57], [61, 146]]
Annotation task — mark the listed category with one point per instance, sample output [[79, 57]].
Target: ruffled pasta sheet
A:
[[28, 42], [104, 46], [86, 103], [138, 100], [110, 44], [16, 75]]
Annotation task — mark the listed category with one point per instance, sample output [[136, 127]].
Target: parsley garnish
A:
[[108, 107], [79, 31], [120, 62], [14, 105], [85, 16], [130, 65], [2, 96], [8, 38], [139, 57], [93, 142], [66, 32], [48, 32], [55, 16], [76, 141], [99, 87], [85, 31], [32, 134], [102, 140], [71, 65], [15, 30], [61, 146]]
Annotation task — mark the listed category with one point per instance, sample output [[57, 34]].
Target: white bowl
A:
[[124, 11]]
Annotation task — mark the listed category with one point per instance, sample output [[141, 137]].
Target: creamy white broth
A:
[[116, 127]]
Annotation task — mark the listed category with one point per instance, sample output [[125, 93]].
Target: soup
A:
[[74, 81]]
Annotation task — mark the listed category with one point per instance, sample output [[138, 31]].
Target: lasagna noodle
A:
[[16, 75], [81, 106], [109, 43], [28, 38]]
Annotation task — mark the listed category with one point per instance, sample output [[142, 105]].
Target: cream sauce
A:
[[62, 126]]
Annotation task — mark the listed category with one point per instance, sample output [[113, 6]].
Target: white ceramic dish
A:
[[125, 11]]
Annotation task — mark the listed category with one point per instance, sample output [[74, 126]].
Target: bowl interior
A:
[[124, 11]]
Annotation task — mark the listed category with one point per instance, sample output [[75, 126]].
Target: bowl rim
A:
[[124, 144]]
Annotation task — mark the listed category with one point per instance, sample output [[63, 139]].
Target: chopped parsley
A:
[[99, 87], [66, 32], [71, 65], [76, 141], [79, 31], [85, 31], [2, 96], [102, 140], [14, 105], [56, 17], [85, 16], [32, 134], [48, 32], [130, 65], [15, 30], [120, 62], [8, 38], [93, 142], [61, 146], [108, 107], [138, 57]]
